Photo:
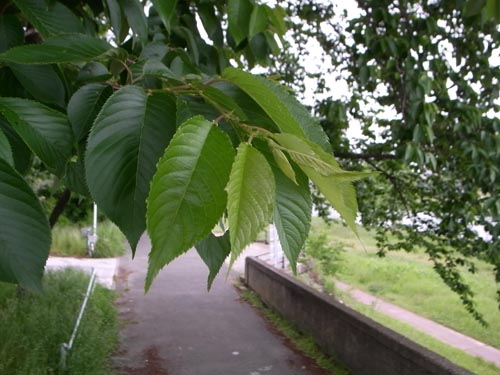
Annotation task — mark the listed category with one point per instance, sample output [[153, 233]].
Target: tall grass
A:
[[407, 280], [67, 240], [33, 326]]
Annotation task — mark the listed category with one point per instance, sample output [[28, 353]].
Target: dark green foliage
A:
[[97, 116], [423, 86]]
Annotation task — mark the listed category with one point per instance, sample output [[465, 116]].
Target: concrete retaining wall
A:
[[362, 345]]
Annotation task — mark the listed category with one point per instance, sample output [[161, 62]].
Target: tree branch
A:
[[61, 204], [354, 156]]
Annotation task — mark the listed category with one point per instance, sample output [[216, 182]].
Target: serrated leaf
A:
[[49, 20], [258, 20], [155, 50], [42, 82], [305, 153], [74, 178], [46, 132], [157, 69], [339, 193], [288, 114], [24, 231], [250, 204], [6, 149], [283, 163], [222, 101], [20, 152], [127, 140], [84, 106], [214, 250], [187, 195], [93, 72], [292, 214], [11, 32], [136, 18], [62, 49], [238, 12], [167, 11], [308, 154]]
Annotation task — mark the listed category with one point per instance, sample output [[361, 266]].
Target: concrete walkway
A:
[[179, 328], [436, 330], [182, 285]]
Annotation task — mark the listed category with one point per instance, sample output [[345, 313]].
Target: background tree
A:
[[423, 83], [128, 104]]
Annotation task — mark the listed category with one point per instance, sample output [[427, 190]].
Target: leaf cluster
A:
[[139, 111], [424, 82]]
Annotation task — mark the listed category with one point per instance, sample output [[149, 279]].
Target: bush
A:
[[328, 254]]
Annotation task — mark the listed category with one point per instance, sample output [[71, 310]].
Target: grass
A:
[[473, 364], [68, 241], [302, 342], [33, 326], [407, 280]]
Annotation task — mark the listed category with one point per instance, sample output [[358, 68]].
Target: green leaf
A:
[[211, 23], [188, 36], [117, 20], [11, 32], [49, 20], [24, 231], [128, 137], [308, 154], [157, 69], [288, 114], [20, 152], [250, 190], [93, 72], [258, 20], [167, 11], [74, 178], [339, 193], [222, 101], [214, 250], [6, 149], [238, 12], [84, 106], [283, 162], [492, 9], [46, 132], [304, 154], [277, 15], [292, 214], [187, 195], [322, 168], [136, 18], [42, 82], [61, 49]]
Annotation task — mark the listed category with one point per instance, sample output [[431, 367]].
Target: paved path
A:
[[180, 329], [436, 330]]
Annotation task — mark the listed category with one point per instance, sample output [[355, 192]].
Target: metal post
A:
[[276, 250], [94, 226]]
